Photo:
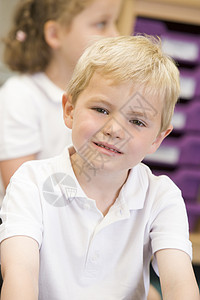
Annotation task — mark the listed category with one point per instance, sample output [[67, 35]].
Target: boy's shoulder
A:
[[149, 179], [143, 189]]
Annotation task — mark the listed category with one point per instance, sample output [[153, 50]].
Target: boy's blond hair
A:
[[131, 58]]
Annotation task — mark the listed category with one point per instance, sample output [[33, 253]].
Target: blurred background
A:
[[6, 13]]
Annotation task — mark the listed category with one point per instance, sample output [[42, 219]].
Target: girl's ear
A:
[[51, 34], [161, 136], [68, 110]]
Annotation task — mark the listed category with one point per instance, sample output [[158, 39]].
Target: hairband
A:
[[21, 36]]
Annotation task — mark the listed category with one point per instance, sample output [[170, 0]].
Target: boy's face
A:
[[115, 123], [98, 19]]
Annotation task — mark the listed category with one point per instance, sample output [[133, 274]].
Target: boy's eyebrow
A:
[[138, 113], [142, 114], [101, 100]]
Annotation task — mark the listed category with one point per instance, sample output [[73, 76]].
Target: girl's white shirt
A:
[[31, 119]]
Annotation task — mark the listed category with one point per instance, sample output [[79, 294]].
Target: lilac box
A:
[[148, 26], [190, 83], [186, 117], [173, 152], [183, 47], [193, 211]]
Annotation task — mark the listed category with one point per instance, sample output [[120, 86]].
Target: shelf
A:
[[192, 3], [170, 10], [126, 18], [182, 11]]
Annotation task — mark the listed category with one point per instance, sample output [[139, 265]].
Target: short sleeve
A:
[[19, 121], [170, 228], [21, 212]]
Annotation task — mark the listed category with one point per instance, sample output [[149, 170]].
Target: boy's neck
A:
[[99, 185]]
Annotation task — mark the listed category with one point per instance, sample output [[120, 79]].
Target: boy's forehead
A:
[[110, 79], [100, 82], [101, 77]]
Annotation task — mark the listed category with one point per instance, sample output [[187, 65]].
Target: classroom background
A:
[[177, 22]]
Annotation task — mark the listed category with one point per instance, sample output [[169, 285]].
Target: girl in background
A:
[[47, 38]]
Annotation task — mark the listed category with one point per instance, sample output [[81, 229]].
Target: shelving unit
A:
[[185, 11], [181, 11]]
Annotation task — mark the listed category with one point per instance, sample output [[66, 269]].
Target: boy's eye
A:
[[101, 110], [137, 123]]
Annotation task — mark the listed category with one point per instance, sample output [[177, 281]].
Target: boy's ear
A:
[[161, 136], [51, 34], [68, 110]]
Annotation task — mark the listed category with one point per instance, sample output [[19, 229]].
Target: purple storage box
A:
[[183, 47], [193, 212], [148, 26], [173, 152], [190, 83], [186, 117]]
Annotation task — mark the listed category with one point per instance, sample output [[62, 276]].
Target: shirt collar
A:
[[134, 190], [132, 195], [65, 165]]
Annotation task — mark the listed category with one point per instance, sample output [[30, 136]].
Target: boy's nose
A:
[[113, 129]]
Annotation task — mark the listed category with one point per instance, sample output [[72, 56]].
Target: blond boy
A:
[[85, 224]]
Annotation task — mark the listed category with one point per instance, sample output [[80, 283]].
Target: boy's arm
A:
[[20, 268], [176, 275]]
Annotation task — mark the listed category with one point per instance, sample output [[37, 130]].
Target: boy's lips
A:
[[109, 147]]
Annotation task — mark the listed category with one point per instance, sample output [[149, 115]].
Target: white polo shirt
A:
[[84, 255], [31, 119]]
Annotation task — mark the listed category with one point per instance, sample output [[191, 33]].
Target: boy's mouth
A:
[[108, 147]]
